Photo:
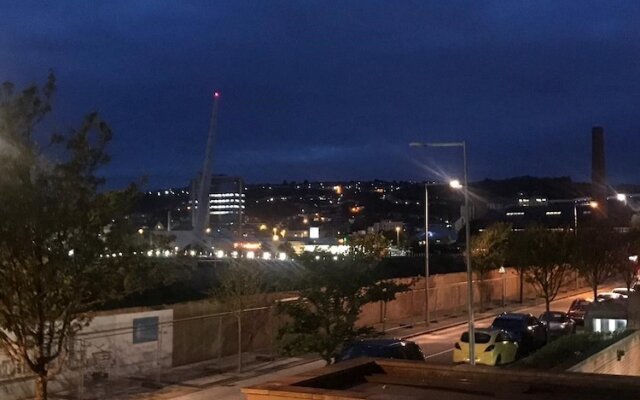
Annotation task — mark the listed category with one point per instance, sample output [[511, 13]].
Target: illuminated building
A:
[[226, 201]]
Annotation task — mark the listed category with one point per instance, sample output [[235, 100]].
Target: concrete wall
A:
[[607, 361], [103, 350], [107, 345]]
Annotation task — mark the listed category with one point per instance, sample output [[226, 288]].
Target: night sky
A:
[[336, 90]]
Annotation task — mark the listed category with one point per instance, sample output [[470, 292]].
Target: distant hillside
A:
[[553, 188]]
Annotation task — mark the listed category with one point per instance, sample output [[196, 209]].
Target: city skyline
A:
[[333, 91]]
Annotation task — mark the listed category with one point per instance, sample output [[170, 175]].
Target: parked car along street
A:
[[492, 347], [577, 310], [558, 323], [623, 291], [527, 330], [381, 348]]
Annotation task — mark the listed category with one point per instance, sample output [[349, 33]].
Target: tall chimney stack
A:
[[599, 188]]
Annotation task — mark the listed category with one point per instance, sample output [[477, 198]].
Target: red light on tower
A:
[[216, 95]]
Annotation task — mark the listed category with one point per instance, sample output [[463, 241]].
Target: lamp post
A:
[[502, 273], [398, 236], [465, 186], [427, 320]]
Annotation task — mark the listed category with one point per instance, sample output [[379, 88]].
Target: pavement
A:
[[217, 379]]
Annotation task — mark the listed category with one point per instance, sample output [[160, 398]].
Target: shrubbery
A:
[[569, 350]]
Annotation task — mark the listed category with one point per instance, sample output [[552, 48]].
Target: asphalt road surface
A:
[[438, 346]]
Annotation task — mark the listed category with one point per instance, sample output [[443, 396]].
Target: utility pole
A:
[[426, 254]]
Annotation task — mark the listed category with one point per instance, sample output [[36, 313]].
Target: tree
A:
[[332, 296], [626, 245], [595, 253], [238, 286], [287, 248], [370, 245], [488, 252], [544, 257], [64, 244]]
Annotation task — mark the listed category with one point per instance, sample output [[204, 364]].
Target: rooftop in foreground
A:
[[393, 379]]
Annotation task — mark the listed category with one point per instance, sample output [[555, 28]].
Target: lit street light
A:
[[398, 236], [465, 185], [455, 184]]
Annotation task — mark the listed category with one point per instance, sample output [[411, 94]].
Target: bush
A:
[[569, 350]]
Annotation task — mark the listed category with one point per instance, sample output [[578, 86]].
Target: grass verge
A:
[[569, 350]]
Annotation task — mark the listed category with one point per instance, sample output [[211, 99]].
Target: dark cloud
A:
[[336, 90]]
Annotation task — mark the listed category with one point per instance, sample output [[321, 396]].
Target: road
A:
[[438, 346]]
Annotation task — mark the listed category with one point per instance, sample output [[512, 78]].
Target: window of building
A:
[[145, 329], [609, 325]]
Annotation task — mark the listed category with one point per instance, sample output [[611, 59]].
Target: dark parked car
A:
[[558, 323], [381, 348], [577, 309], [527, 330]]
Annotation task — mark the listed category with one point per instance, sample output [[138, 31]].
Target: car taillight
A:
[[457, 346], [490, 348]]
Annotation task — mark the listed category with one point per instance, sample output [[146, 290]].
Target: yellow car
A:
[[492, 347]]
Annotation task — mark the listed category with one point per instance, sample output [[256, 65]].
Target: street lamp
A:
[[427, 320], [456, 185], [465, 185], [502, 273], [398, 236]]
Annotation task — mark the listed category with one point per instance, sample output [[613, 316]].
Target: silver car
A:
[[558, 323]]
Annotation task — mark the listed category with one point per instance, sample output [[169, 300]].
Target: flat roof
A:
[[376, 379]]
